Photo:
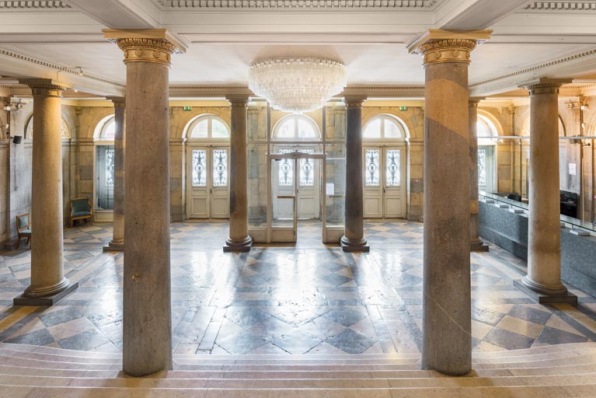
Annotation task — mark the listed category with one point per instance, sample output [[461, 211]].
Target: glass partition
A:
[[508, 169]]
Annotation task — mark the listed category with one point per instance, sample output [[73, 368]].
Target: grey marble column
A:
[[117, 242], [544, 225], [239, 240], [476, 244], [48, 284], [447, 338], [147, 334], [353, 239]]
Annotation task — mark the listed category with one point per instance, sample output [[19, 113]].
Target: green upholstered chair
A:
[[80, 209], [23, 228]]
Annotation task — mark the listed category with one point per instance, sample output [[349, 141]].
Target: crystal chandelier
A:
[[297, 84]]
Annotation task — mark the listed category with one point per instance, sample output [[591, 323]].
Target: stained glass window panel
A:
[[286, 173], [481, 167], [199, 168], [220, 168], [305, 130], [372, 167], [110, 166], [393, 174], [307, 173], [110, 131]]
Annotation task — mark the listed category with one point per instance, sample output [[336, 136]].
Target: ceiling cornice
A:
[[558, 6], [429, 5], [34, 5]]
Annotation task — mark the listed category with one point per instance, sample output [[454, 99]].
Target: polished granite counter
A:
[[509, 230]]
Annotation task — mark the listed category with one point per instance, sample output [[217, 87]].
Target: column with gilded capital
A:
[[476, 244], [239, 240], [147, 335], [353, 239], [117, 242], [447, 339], [544, 225], [48, 284]]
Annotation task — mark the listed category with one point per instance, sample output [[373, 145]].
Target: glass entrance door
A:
[[294, 192], [283, 199]]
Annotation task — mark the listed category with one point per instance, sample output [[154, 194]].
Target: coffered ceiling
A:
[[59, 39]]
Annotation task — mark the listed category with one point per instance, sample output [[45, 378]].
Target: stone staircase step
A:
[[577, 391]]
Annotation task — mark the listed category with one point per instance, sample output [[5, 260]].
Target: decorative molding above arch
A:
[[34, 5]]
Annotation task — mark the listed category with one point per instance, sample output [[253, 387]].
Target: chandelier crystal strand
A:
[[297, 84]]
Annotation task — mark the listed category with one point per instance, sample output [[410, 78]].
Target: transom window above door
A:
[[209, 127], [384, 127], [296, 128]]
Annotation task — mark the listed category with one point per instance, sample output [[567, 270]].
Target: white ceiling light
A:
[[297, 84]]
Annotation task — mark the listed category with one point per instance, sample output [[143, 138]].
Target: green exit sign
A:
[[187, 108], [403, 108]]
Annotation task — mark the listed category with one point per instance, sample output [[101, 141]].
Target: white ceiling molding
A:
[[33, 5], [300, 4], [569, 66], [16, 64], [561, 6]]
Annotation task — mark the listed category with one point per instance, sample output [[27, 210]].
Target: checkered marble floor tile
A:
[[296, 299]]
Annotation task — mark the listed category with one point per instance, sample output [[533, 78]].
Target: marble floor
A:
[[307, 298]]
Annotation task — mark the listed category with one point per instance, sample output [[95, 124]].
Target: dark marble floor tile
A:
[[60, 316], [246, 316], [296, 342], [555, 336], [39, 337], [530, 314], [84, 341], [508, 340], [345, 316], [241, 343], [351, 342]]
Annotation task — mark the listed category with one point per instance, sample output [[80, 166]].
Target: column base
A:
[[45, 301], [478, 246], [238, 246], [539, 294], [114, 246], [348, 245]]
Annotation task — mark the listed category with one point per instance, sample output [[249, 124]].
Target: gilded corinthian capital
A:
[[441, 46], [154, 46]]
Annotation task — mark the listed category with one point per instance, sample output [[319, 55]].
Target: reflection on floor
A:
[[304, 299]]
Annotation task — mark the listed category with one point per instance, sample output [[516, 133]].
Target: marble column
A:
[[353, 239], [544, 225], [147, 334], [238, 240], [48, 283], [447, 339], [476, 244], [117, 242]]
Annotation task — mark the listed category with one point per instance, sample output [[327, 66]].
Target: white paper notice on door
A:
[[572, 169], [330, 189]]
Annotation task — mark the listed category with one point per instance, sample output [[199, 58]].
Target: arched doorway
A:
[[104, 156], [487, 157], [296, 133], [208, 160], [385, 165]]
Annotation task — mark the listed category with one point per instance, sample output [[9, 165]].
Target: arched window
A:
[[106, 129], [65, 130], [384, 127], [296, 128], [208, 126], [485, 130]]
